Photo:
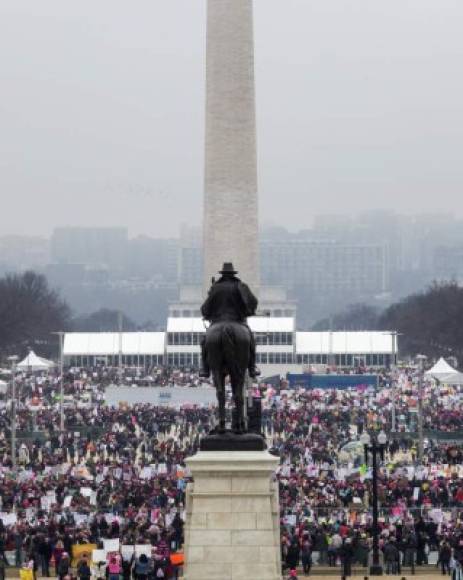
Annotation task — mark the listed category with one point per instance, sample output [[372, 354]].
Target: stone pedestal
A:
[[232, 527]]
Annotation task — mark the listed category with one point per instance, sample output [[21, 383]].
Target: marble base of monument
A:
[[232, 529]]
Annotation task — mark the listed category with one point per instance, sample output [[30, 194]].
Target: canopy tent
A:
[[32, 362], [344, 342], [452, 379], [111, 343], [441, 369]]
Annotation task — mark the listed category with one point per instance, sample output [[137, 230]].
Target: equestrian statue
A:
[[229, 347]]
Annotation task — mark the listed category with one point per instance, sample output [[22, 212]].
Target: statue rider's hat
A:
[[228, 269]]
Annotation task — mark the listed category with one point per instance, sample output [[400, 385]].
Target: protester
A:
[[306, 554], [64, 566], [83, 569], [119, 473], [445, 555]]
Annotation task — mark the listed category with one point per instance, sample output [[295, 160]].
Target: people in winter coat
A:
[[306, 556], [292, 556], [83, 569], [445, 554], [142, 568], [58, 552], [64, 566], [45, 551], [114, 567], [391, 557], [347, 552]]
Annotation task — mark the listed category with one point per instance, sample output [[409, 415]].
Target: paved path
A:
[[362, 576], [427, 575], [359, 576]]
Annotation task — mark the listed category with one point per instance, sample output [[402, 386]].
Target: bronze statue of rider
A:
[[229, 300]]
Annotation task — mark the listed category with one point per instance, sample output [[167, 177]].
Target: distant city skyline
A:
[[373, 258], [359, 106]]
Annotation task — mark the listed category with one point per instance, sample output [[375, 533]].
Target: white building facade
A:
[[280, 348], [140, 349]]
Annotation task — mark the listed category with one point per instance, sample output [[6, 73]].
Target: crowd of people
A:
[[118, 473]]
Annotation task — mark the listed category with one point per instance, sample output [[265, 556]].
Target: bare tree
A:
[[29, 312]]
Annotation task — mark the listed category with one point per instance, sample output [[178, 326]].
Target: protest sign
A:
[[127, 552], [111, 545], [79, 550], [8, 519], [98, 556], [143, 549]]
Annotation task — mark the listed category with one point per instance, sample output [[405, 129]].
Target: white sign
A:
[[8, 519], [127, 552], [143, 549], [98, 556], [111, 545]]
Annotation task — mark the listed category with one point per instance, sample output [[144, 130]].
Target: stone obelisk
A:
[[230, 218]]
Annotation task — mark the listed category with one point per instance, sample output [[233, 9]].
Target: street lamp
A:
[[375, 446], [60, 335], [13, 359], [393, 368], [421, 358]]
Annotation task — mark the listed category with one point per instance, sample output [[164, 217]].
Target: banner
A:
[[79, 550]]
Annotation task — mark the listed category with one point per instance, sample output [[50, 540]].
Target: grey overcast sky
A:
[[360, 106]]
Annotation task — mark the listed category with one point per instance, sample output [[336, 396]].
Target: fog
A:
[[360, 106]]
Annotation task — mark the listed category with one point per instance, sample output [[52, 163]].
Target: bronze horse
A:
[[228, 349]]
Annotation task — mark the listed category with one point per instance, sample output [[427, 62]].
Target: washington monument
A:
[[230, 219]]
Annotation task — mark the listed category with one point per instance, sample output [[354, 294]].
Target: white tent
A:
[[32, 362], [452, 379], [441, 369]]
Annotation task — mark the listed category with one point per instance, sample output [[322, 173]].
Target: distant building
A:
[[19, 253], [280, 348], [346, 349], [138, 349], [90, 246], [448, 263], [274, 338], [153, 259], [325, 267], [190, 256], [373, 257]]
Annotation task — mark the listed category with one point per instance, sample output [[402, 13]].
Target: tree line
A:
[[31, 311], [429, 322]]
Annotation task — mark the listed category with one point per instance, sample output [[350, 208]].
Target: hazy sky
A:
[[360, 106]]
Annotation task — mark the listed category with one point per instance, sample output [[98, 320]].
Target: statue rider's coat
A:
[[229, 299]]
